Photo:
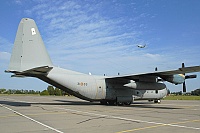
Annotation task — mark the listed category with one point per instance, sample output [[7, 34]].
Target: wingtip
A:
[[7, 71]]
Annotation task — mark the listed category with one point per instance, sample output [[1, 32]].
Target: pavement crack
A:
[[43, 108], [89, 120]]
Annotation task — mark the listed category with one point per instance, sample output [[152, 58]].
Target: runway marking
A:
[[133, 120], [136, 129], [148, 127], [32, 119]]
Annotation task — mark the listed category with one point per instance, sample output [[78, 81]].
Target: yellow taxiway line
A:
[[160, 125]]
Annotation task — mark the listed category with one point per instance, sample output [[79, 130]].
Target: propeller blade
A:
[[183, 65], [184, 87], [190, 76]]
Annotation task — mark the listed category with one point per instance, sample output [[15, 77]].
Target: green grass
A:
[[29, 95], [179, 97], [19, 94]]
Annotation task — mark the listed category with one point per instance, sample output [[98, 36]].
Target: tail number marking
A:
[[82, 84]]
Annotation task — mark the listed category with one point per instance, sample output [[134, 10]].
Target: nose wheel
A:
[[157, 101]]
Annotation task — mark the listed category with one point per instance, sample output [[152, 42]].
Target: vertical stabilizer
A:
[[29, 50]]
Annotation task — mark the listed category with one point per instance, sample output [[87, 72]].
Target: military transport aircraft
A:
[[141, 46], [30, 59]]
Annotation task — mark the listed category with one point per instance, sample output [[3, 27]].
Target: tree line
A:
[[58, 92], [49, 91], [194, 93], [13, 91], [54, 91]]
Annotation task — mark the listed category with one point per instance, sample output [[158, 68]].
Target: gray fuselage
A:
[[97, 88]]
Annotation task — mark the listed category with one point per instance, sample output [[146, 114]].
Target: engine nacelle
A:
[[146, 85], [176, 79]]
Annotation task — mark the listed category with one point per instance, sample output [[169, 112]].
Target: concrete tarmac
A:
[[51, 114]]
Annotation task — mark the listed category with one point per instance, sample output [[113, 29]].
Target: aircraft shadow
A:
[[59, 102], [12, 103], [86, 103], [134, 105], [151, 106]]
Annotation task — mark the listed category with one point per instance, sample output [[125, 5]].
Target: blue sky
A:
[[100, 36]]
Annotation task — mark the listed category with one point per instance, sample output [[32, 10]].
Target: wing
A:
[[152, 77]]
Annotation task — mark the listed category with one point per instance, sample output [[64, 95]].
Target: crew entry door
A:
[[100, 84]]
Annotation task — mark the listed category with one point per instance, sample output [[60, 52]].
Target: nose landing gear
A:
[[157, 101]]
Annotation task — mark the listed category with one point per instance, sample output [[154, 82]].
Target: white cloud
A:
[[153, 56], [4, 55], [19, 2], [77, 34], [5, 45]]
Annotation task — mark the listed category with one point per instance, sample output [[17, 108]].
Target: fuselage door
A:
[[100, 86]]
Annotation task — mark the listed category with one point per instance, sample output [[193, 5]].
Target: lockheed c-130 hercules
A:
[[141, 46], [30, 59]]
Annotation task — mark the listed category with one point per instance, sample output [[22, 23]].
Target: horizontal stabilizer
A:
[[32, 72]]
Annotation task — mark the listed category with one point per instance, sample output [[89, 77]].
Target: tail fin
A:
[[29, 51]]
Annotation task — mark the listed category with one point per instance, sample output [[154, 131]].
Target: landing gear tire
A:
[[123, 103], [111, 102], [119, 103], [103, 102], [127, 103], [157, 101]]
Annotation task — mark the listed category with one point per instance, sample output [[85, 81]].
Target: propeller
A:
[[187, 77], [184, 85]]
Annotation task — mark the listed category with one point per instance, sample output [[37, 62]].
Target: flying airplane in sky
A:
[[30, 59], [141, 46]]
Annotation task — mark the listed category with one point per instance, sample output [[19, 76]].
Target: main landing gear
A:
[[155, 101], [113, 102]]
